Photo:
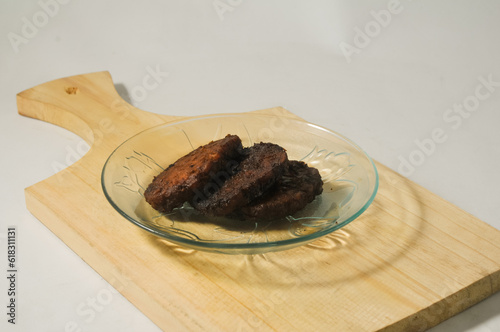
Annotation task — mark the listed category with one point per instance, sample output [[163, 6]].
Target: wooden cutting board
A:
[[409, 262]]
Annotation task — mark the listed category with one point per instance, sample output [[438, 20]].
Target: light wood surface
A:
[[409, 262]]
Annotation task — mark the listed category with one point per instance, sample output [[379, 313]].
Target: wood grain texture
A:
[[409, 262]]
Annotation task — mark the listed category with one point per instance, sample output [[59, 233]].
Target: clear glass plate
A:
[[349, 175]]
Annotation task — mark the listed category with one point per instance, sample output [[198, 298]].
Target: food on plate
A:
[[298, 186], [222, 178], [190, 174], [261, 166]]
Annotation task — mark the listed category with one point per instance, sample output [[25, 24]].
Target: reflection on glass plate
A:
[[350, 182]]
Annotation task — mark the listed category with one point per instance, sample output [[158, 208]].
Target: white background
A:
[[399, 85]]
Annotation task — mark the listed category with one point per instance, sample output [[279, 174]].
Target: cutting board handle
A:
[[88, 105]]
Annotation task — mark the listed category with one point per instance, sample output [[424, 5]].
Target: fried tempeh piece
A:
[[298, 186], [188, 175], [262, 165]]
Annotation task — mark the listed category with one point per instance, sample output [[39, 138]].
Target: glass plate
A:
[[349, 175]]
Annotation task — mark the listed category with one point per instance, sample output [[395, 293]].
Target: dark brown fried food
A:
[[298, 186], [262, 166], [190, 174]]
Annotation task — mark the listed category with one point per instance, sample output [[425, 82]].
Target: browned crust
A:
[[262, 166], [298, 186], [188, 175]]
